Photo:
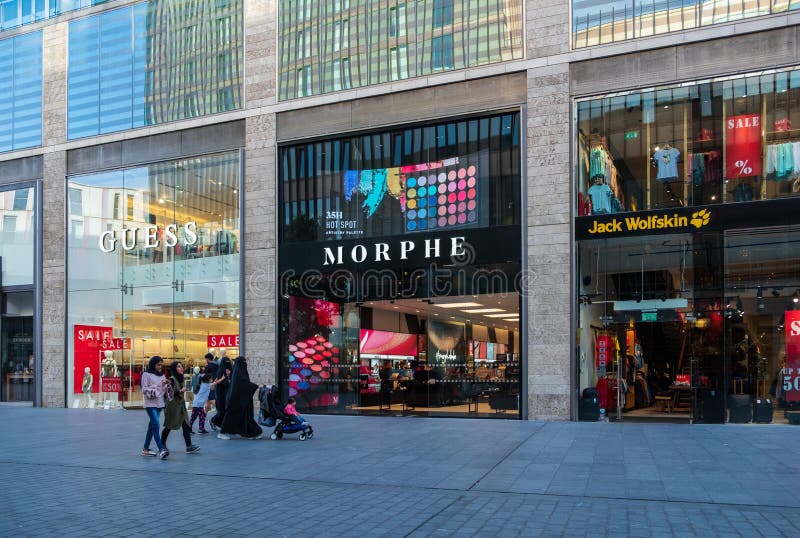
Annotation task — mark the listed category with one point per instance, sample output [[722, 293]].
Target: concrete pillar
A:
[[260, 191], [548, 243], [54, 129]]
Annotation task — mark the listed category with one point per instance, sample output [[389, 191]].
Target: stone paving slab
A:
[[78, 473]]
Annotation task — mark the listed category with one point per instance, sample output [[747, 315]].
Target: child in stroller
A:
[[272, 411]]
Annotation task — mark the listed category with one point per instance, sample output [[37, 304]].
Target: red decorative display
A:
[[88, 343], [743, 146], [603, 349], [222, 340], [791, 372]]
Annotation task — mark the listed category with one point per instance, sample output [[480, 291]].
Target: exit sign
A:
[[631, 135], [649, 316]]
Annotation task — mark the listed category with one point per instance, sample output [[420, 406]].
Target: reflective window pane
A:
[[17, 219], [144, 64], [387, 41], [21, 92]]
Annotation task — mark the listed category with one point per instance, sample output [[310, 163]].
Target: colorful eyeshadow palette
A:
[[441, 198], [308, 363]]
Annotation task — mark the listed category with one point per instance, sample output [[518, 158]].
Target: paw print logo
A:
[[700, 218]]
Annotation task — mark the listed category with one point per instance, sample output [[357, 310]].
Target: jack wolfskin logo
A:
[[700, 218]]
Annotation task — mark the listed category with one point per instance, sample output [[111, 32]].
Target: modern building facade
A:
[[435, 208]]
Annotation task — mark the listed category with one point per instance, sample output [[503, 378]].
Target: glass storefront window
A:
[[731, 140], [17, 234], [15, 13], [153, 269], [698, 327], [21, 91], [152, 63], [399, 271], [325, 47]]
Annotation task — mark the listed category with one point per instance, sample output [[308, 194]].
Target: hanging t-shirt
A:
[[667, 160], [601, 196]]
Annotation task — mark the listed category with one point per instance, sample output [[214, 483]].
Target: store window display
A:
[[153, 269], [720, 141]]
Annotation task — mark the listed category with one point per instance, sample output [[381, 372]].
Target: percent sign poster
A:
[[791, 370], [743, 146]]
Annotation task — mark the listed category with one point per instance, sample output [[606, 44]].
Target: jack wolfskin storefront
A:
[[688, 252]]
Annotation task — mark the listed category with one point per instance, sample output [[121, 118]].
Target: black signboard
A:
[[689, 219]]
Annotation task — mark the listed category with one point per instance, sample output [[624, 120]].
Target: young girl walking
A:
[[175, 414], [200, 399]]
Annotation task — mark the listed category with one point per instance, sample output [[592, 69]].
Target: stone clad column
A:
[[260, 191], [54, 129], [549, 243]]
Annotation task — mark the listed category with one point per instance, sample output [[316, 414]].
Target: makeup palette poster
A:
[[446, 344], [439, 195]]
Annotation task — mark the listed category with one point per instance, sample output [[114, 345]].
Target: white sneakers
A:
[[221, 435]]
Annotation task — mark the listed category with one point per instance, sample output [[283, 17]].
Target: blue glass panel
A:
[[116, 70], [83, 84], [21, 92]]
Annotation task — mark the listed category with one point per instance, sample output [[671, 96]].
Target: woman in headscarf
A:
[[175, 415], [153, 388], [221, 391], [239, 410]]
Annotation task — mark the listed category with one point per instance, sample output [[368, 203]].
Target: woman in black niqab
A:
[[221, 389], [239, 410]]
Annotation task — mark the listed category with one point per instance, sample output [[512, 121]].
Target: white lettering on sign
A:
[[794, 327], [148, 236], [742, 122], [444, 356], [222, 340], [381, 251]]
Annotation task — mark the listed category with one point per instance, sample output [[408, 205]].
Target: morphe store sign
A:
[[499, 244]]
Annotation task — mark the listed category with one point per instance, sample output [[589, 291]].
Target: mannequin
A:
[[86, 387], [109, 365]]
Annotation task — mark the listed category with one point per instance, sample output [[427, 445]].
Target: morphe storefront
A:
[[688, 250], [399, 266], [153, 269]]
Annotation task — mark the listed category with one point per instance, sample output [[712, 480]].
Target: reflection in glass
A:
[[17, 235], [21, 91], [152, 63], [153, 270], [383, 41]]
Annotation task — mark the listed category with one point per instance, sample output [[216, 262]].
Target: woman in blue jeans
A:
[[154, 385]]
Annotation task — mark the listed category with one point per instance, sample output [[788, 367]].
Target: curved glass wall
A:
[[153, 269], [153, 63], [334, 45], [705, 143], [399, 258], [595, 22], [21, 91]]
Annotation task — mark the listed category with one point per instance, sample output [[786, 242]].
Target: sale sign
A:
[[88, 342], [791, 372], [113, 344], [111, 384], [222, 340], [743, 146]]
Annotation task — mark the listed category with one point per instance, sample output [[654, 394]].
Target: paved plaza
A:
[[79, 473]]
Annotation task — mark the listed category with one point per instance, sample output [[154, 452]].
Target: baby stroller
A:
[[272, 409]]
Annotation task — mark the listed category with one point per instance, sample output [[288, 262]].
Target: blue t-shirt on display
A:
[[667, 160], [601, 195]]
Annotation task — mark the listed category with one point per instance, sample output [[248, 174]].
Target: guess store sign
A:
[[222, 340]]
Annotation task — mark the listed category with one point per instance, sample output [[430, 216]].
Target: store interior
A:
[[665, 336], [446, 356]]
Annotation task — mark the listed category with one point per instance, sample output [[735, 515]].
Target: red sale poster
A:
[[89, 341], [743, 146], [791, 373]]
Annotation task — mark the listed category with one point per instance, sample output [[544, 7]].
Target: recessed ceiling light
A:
[[483, 310], [458, 305], [497, 315]]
